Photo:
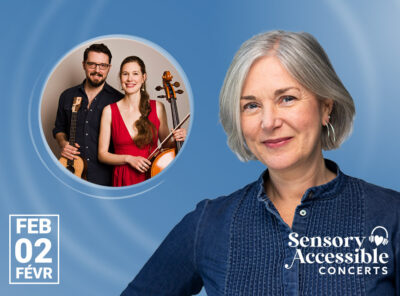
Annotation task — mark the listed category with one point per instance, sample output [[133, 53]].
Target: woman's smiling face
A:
[[281, 120], [132, 78]]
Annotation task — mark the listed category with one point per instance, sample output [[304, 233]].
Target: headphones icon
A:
[[377, 239]]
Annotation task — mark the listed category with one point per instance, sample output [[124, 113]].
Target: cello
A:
[[162, 158]]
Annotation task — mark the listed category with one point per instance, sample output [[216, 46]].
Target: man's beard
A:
[[95, 83]]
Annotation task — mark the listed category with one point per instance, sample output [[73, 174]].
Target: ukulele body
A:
[[78, 167]]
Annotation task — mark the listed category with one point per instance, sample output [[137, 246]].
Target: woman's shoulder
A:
[[212, 217], [380, 207], [378, 195], [159, 105], [226, 204], [108, 109]]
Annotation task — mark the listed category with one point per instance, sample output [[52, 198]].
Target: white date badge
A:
[[34, 249]]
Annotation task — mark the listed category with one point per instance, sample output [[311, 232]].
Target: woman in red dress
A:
[[135, 123]]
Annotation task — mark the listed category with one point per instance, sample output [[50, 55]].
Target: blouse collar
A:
[[324, 191]]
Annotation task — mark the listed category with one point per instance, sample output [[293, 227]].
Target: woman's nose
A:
[[271, 118]]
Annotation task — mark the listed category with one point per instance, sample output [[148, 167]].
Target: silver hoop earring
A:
[[330, 126]]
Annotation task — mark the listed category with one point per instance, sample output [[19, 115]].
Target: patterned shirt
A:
[[344, 240]]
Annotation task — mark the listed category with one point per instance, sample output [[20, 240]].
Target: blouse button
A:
[[303, 213]]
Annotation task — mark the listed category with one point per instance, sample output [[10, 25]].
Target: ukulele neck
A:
[[72, 134], [72, 130]]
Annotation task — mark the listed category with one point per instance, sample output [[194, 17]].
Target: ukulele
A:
[[76, 166]]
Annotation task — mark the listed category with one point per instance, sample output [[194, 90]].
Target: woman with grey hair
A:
[[302, 228]]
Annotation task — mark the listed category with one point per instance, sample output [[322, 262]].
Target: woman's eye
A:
[[250, 106], [287, 99]]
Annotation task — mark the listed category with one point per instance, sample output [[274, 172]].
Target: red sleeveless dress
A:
[[125, 175]]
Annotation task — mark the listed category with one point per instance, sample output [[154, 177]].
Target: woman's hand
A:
[[179, 134], [139, 163]]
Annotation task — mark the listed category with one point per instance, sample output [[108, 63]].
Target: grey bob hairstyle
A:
[[304, 58]]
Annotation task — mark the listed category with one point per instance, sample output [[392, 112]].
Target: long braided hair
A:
[[146, 129]]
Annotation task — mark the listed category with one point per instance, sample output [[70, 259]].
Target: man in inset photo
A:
[[85, 115]]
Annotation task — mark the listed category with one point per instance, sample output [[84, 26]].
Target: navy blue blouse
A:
[[345, 240]]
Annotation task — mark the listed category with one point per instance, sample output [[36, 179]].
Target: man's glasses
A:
[[102, 66]]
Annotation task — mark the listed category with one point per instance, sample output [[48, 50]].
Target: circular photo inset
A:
[[115, 112]]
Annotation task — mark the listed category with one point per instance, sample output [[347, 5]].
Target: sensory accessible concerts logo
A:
[[353, 255]]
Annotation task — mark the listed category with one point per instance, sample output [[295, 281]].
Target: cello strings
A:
[[169, 136]]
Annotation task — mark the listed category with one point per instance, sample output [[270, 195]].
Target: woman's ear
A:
[[326, 108]]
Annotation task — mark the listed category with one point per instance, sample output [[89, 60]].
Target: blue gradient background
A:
[[104, 242]]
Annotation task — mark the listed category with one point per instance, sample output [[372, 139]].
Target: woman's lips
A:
[[276, 143]]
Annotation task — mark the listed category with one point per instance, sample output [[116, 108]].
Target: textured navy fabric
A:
[[239, 245]]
